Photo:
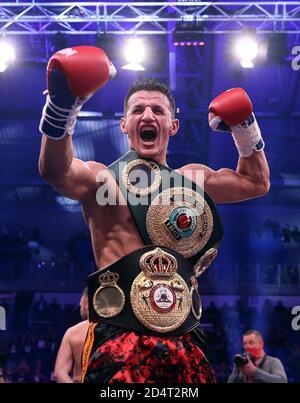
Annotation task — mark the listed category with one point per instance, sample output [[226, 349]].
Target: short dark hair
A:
[[85, 292], [253, 331], [150, 84]]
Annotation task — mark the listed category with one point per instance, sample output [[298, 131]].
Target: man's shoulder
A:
[[96, 166], [196, 172], [193, 166], [271, 358], [271, 361], [81, 326]]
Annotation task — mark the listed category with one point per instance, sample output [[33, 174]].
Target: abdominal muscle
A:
[[113, 232]]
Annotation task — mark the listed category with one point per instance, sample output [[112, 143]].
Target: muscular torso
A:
[[113, 231]]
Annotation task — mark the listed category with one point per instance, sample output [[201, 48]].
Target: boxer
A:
[[68, 361], [151, 245]]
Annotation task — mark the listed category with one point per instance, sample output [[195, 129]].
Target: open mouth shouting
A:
[[148, 134]]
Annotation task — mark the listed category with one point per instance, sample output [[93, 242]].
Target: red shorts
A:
[[127, 357]]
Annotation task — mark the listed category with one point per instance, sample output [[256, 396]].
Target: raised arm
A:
[[73, 76], [232, 111], [249, 180], [70, 176]]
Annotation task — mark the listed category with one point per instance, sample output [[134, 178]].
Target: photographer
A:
[[255, 366]]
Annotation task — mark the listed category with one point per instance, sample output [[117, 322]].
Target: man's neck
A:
[[156, 159], [259, 360]]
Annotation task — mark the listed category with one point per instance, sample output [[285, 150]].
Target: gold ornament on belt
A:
[[137, 172], [181, 219], [196, 300], [205, 261], [160, 297], [109, 299]]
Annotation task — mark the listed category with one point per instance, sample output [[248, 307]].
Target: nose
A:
[[148, 114]]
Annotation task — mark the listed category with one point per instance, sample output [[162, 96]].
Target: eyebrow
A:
[[153, 106]]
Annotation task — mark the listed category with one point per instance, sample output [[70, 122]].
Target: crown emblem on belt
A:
[[159, 296], [158, 263], [108, 278]]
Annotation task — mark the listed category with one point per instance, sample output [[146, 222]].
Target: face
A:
[[84, 307], [149, 124], [252, 342]]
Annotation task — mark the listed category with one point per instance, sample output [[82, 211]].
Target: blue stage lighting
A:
[[7, 55], [134, 54]]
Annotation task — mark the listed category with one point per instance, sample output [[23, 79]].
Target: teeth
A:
[[148, 128]]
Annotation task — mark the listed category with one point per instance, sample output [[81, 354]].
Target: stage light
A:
[[134, 54], [246, 49], [188, 33], [247, 64], [3, 67], [7, 55]]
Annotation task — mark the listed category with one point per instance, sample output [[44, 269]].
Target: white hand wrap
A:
[[56, 122], [247, 136]]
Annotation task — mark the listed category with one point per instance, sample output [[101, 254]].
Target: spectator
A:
[[259, 367]]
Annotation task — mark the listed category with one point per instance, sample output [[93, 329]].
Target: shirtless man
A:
[[68, 360], [149, 121]]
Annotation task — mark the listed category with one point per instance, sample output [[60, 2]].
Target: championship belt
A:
[[160, 298], [152, 291], [155, 290], [168, 208]]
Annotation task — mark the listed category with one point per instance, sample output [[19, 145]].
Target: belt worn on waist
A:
[[151, 291]]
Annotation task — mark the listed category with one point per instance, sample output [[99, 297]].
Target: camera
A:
[[241, 359]]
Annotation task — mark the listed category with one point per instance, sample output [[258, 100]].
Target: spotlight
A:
[[246, 49], [7, 55], [188, 33], [134, 54]]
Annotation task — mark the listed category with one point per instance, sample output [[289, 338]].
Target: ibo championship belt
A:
[[153, 290], [169, 209]]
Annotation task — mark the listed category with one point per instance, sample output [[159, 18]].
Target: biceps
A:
[[228, 186], [78, 182]]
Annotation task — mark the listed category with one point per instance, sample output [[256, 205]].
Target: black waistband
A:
[[128, 269]]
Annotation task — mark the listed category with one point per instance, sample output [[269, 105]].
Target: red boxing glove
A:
[[73, 76], [233, 106], [232, 111], [86, 69]]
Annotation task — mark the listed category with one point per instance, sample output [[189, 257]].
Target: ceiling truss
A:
[[147, 18]]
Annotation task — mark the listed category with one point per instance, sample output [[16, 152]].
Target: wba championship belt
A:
[[152, 291], [160, 298]]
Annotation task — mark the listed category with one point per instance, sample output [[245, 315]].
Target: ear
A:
[[123, 125], [175, 127]]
